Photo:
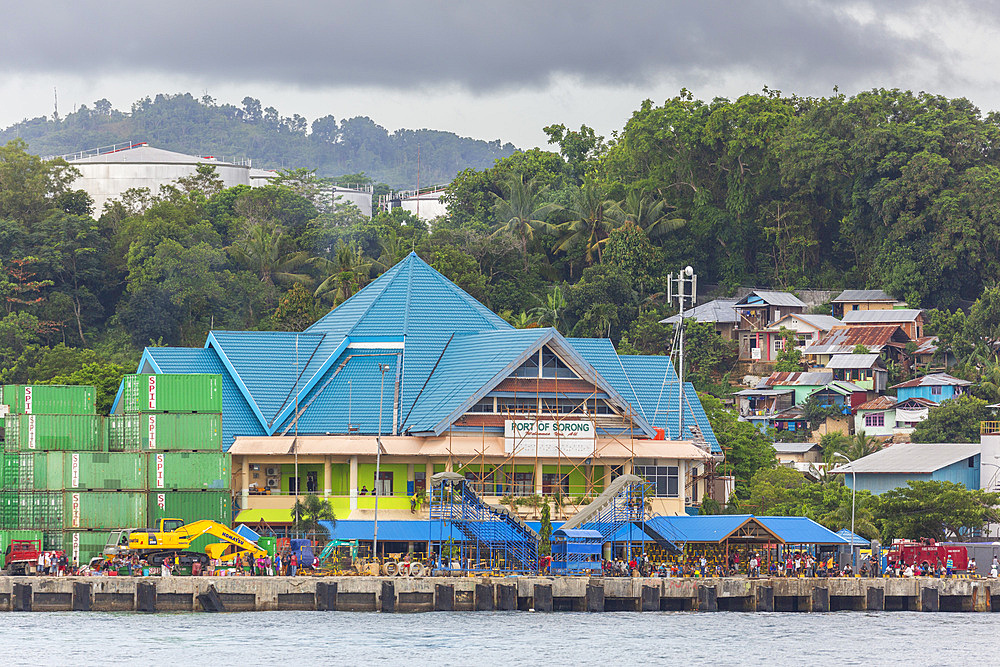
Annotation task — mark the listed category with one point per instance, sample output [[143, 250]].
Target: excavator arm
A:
[[192, 531]]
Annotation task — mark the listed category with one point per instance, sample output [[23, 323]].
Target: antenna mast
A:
[[684, 289]]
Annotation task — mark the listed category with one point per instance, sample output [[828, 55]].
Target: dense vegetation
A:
[[203, 127], [883, 189]]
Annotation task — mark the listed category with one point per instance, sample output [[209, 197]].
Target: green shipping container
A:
[[40, 510], [104, 509], [103, 471], [10, 465], [268, 544], [187, 471], [8, 510], [8, 536], [165, 432], [189, 506], [50, 399], [55, 433], [82, 545], [172, 393], [40, 471]]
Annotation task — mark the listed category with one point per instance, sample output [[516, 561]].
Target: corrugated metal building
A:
[[447, 384], [896, 465]]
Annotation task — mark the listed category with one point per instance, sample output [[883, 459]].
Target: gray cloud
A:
[[478, 46]]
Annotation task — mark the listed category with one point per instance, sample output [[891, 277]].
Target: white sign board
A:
[[549, 438]]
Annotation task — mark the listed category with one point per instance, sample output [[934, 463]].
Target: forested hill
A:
[[202, 127]]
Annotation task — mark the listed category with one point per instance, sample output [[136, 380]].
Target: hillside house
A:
[[757, 312], [863, 299], [719, 312], [843, 394], [808, 329], [864, 370], [910, 320], [758, 406], [803, 384], [935, 387], [877, 417], [889, 339]]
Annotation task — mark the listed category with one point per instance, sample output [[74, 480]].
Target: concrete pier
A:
[[425, 594]]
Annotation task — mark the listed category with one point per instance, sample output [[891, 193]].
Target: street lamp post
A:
[[378, 458], [854, 490]]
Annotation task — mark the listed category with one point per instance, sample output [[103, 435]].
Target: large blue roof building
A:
[[448, 385]]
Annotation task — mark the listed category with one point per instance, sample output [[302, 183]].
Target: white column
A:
[[246, 480], [409, 474], [327, 475], [538, 478], [354, 482]]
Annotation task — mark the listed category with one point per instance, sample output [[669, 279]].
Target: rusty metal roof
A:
[[813, 378], [843, 339], [878, 403]]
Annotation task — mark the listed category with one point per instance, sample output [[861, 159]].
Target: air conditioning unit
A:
[[272, 483], [274, 472]]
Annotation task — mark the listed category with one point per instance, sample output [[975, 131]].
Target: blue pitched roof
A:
[[442, 346], [717, 527], [465, 368], [410, 298], [349, 391]]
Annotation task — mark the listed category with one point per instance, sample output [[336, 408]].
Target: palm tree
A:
[[591, 221], [308, 511], [523, 321], [647, 211], [348, 273], [549, 313], [861, 446], [264, 249], [522, 211], [603, 316]]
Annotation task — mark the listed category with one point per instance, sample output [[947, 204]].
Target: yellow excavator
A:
[[174, 538]]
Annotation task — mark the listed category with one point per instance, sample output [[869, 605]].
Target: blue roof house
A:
[[415, 376]]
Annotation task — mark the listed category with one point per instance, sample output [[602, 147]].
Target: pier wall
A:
[[418, 594]]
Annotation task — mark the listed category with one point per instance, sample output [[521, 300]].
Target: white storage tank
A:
[[105, 175]]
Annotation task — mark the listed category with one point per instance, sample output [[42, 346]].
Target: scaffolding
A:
[[469, 535]]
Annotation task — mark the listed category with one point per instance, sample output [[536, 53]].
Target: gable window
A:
[[522, 406], [553, 366], [875, 419], [936, 391], [529, 369], [483, 406]]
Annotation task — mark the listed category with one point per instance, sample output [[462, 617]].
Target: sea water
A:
[[504, 639]]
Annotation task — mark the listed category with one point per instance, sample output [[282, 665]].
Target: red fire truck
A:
[[926, 552]]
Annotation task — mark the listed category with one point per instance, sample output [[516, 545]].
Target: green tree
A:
[[296, 310], [935, 509], [747, 449], [954, 420], [308, 511], [522, 211], [590, 223], [105, 377], [545, 531], [789, 359], [550, 310]]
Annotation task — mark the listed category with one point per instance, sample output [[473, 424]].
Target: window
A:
[[553, 367], [419, 481], [485, 405], [936, 391], [529, 369], [663, 478], [524, 484], [875, 419], [779, 344], [383, 485], [855, 306], [972, 461], [552, 482], [520, 406]]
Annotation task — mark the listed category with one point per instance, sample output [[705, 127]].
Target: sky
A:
[[489, 70]]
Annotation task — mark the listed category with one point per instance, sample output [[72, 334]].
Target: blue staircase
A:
[[493, 538]]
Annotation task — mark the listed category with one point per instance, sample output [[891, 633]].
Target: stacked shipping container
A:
[[75, 477]]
